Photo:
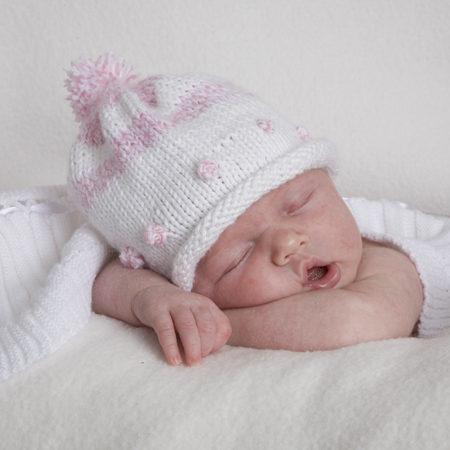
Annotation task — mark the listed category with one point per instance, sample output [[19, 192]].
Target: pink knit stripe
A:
[[96, 181], [147, 128], [202, 98], [147, 92], [141, 134], [91, 134], [126, 146]]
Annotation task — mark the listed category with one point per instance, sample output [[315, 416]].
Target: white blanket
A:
[[48, 263], [110, 388]]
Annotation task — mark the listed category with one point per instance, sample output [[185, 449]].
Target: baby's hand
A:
[[203, 328]]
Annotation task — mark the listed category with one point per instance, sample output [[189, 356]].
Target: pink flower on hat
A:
[[131, 259], [266, 125], [304, 135], [207, 169], [155, 234]]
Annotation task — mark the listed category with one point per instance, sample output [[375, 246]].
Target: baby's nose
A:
[[286, 243]]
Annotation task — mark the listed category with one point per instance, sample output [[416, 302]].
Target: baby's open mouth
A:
[[323, 277], [316, 273]]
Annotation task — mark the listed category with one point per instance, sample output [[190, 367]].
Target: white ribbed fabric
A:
[[426, 240], [48, 262], [162, 166]]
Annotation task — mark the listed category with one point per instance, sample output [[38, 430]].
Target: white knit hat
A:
[[162, 166]]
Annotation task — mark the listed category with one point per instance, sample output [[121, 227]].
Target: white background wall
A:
[[372, 76]]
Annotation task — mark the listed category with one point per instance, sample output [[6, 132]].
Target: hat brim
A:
[[313, 154]]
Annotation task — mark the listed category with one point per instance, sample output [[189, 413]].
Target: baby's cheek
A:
[[260, 289], [253, 287], [243, 293], [248, 292], [350, 243], [251, 281]]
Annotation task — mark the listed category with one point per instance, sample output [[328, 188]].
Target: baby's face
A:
[[296, 238]]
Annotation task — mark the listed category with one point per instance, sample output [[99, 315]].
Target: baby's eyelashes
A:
[[296, 205], [239, 260]]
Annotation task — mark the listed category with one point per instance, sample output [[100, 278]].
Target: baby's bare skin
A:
[[291, 273], [144, 298], [297, 238], [383, 302]]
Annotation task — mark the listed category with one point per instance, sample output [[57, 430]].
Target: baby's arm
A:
[[143, 298], [384, 302]]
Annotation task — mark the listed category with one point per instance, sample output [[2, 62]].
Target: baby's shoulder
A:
[[386, 276], [384, 259], [387, 291], [387, 271]]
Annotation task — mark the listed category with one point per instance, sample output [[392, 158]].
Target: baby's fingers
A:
[[186, 326], [206, 325], [223, 329], [164, 328]]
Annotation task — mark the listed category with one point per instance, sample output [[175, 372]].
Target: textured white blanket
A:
[[48, 262], [110, 388]]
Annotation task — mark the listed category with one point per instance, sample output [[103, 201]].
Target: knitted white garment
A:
[[48, 262], [162, 166], [426, 240]]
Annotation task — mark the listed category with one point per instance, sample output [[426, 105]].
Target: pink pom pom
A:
[[88, 81]]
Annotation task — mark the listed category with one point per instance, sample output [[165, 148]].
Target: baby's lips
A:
[[329, 280]]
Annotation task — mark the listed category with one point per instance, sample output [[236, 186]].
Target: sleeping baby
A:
[[232, 216]]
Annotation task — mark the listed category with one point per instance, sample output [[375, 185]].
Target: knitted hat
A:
[[161, 167]]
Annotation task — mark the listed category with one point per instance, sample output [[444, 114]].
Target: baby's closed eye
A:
[[239, 259], [292, 206]]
